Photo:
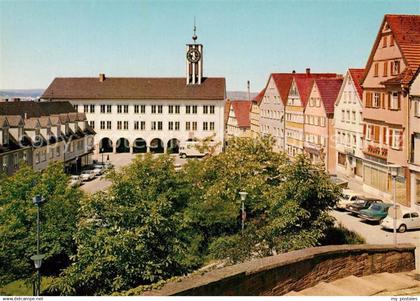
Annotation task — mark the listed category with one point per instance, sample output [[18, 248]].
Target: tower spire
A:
[[194, 37]]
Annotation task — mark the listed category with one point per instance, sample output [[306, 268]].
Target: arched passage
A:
[[139, 146], [173, 146], [123, 146], [105, 145], [156, 146]]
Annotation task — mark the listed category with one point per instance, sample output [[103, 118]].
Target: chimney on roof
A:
[[308, 71], [249, 90], [101, 77]]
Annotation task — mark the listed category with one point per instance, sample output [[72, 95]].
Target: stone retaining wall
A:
[[297, 270]]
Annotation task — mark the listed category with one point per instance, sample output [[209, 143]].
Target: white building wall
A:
[[165, 117], [348, 127]]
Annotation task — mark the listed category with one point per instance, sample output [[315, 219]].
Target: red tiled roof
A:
[[304, 86], [134, 88], [357, 76], [283, 81], [404, 77], [241, 110], [328, 90], [259, 97], [406, 30]]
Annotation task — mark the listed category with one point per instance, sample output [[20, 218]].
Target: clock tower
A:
[[194, 61]]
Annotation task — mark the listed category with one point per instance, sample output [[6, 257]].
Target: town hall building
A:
[[138, 115]]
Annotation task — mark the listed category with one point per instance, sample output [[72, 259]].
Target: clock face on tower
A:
[[193, 55]]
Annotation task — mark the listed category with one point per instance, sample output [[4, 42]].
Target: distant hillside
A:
[[233, 95], [34, 93]]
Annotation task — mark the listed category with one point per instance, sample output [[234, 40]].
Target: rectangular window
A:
[[391, 40], [176, 125], [153, 109], [396, 139], [108, 125], [153, 126], [395, 101], [187, 109], [194, 125], [125, 109], [92, 108], [205, 109], [102, 125], [92, 124], [143, 109], [160, 109], [160, 125], [211, 126], [103, 107], [384, 41], [342, 115], [86, 108], [119, 109], [125, 125], [385, 68], [76, 108], [109, 108], [187, 126], [119, 125], [211, 109], [136, 109], [377, 100], [376, 71], [194, 109], [342, 159], [142, 125], [395, 67], [177, 109], [322, 121], [171, 109], [136, 125], [205, 126], [417, 109], [171, 125]]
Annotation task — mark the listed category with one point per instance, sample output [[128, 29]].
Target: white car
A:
[[348, 197], [407, 220], [98, 169], [87, 175], [75, 181]]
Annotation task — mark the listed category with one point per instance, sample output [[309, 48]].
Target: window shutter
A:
[[401, 140], [390, 137], [389, 101], [392, 68], [384, 135], [364, 130], [377, 134], [399, 101], [383, 100]]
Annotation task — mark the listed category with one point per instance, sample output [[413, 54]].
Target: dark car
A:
[[375, 213], [363, 203]]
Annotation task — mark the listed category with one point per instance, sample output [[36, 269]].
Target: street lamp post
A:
[[393, 169], [243, 195], [102, 151], [37, 200]]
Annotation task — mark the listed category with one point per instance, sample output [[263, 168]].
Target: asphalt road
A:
[[372, 232]]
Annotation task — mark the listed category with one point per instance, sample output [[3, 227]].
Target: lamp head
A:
[[38, 260], [37, 200], [243, 195]]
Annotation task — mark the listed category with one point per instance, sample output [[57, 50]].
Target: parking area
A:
[[372, 232], [118, 160]]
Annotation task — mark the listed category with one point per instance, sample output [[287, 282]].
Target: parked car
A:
[[405, 221], [361, 204], [190, 149], [87, 175], [98, 169], [75, 181], [375, 213], [347, 197]]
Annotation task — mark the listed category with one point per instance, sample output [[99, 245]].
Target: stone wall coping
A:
[[268, 263]]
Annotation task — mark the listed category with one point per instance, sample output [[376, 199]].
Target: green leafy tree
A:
[[132, 234], [18, 221]]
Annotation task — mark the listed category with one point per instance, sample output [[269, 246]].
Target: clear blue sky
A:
[[242, 39]]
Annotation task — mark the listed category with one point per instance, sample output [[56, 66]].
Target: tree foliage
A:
[[18, 221]]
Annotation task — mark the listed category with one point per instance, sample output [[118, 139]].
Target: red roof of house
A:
[[357, 76], [227, 109], [259, 97], [284, 81], [304, 86], [241, 110], [328, 90], [406, 32], [135, 88]]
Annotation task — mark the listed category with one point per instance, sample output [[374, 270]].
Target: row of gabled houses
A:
[[41, 133], [359, 125]]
